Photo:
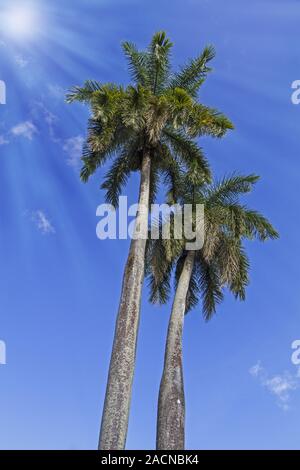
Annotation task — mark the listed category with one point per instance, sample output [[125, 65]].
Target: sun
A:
[[20, 21]]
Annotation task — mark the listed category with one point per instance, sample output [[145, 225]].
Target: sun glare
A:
[[20, 21]]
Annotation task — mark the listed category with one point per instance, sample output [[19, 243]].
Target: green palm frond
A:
[[137, 63], [246, 223], [101, 146], [258, 226], [192, 298], [160, 291], [91, 161], [210, 287], [228, 189], [116, 178], [159, 61], [158, 110], [170, 170], [158, 270], [222, 261], [128, 160], [191, 77], [203, 120], [190, 154], [241, 280], [227, 255], [83, 94]]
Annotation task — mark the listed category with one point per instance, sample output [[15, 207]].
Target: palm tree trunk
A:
[[171, 403], [118, 392]]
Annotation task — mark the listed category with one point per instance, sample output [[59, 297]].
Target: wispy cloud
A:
[[256, 370], [21, 61], [25, 129], [73, 148], [40, 110], [280, 385], [3, 140], [42, 222]]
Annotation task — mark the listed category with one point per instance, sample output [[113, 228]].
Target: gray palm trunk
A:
[[120, 377], [171, 402]]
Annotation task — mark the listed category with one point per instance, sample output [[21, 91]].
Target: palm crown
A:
[[222, 261], [158, 113]]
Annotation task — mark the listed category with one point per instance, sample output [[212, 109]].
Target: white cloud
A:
[[25, 129], [21, 61], [73, 148], [3, 140], [42, 223], [50, 120], [40, 110], [256, 369], [280, 385]]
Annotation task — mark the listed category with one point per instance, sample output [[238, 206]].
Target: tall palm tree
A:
[[220, 263], [149, 126]]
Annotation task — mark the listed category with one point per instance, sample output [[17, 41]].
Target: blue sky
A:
[[60, 285]]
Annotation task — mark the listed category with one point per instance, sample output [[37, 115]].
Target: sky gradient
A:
[[60, 285]]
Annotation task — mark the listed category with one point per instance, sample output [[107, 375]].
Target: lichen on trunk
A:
[[120, 377], [171, 401]]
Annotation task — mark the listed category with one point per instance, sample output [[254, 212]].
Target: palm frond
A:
[[241, 280], [170, 170], [210, 288], [102, 143], [191, 77], [159, 270], [190, 154], [159, 61], [128, 160], [116, 178], [137, 63], [227, 256], [228, 189], [83, 94], [91, 161], [244, 222], [258, 226], [203, 120]]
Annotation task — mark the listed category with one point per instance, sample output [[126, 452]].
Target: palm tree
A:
[[149, 126], [220, 263]]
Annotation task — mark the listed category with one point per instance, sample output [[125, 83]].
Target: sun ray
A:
[[20, 21]]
